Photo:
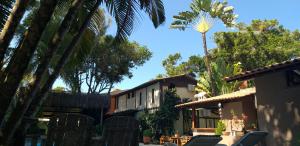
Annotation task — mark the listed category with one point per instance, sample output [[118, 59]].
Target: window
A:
[[132, 95], [152, 96], [171, 86], [140, 102], [117, 102], [128, 95]]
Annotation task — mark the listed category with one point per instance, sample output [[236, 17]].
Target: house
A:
[[277, 100], [112, 102], [150, 96], [206, 113]]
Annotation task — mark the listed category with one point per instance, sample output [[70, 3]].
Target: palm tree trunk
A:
[[208, 65], [14, 119], [40, 97], [10, 27], [11, 78]]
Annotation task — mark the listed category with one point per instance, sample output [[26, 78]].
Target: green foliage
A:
[[147, 121], [147, 133], [164, 118], [59, 89], [108, 63], [125, 14], [86, 44], [199, 8], [220, 128], [167, 113], [220, 71], [99, 129], [173, 66], [261, 43]]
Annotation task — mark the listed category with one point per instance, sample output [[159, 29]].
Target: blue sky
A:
[[164, 41]]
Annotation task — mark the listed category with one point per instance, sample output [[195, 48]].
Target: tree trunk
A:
[[40, 97], [14, 119], [11, 78], [10, 27], [208, 65], [65, 56]]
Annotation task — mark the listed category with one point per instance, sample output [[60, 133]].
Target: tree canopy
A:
[[107, 64], [261, 43], [174, 65]]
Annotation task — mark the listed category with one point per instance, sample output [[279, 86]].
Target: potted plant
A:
[[147, 134], [221, 127]]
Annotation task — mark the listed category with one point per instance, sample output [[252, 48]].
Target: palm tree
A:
[[124, 12], [10, 26], [5, 7], [220, 70], [201, 16], [13, 73], [20, 109]]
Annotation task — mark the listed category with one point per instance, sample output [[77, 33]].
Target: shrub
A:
[[220, 128], [99, 129], [147, 132]]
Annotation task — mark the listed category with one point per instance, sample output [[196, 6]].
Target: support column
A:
[[101, 117], [193, 117]]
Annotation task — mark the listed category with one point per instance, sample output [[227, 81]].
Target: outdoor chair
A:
[[250, 139], [204, 140], [120, 131], [69, 130]]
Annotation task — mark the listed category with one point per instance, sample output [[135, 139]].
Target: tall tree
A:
[[13, 73], [24, 102], [106, 65], [10, 27], [194, 65], [261, 43], [200, 17]]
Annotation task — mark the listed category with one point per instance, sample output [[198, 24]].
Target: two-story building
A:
[[150, 96]]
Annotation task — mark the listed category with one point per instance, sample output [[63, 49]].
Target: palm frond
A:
[[155, 9], [183, 20], [125, 13], [5, 8]]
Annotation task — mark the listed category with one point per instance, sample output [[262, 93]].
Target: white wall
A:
[[133, 103], [182, 92], [121, 102], [137, 98], [155, 103]]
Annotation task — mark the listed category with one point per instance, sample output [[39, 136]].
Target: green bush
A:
[[220, 128], [99, 129], [147, 132]]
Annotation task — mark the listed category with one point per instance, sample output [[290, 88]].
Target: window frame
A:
[[140, 99], [152, 96]]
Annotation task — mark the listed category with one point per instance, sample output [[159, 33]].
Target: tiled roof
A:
[[151, 82], [267, 69], [221, 98]]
